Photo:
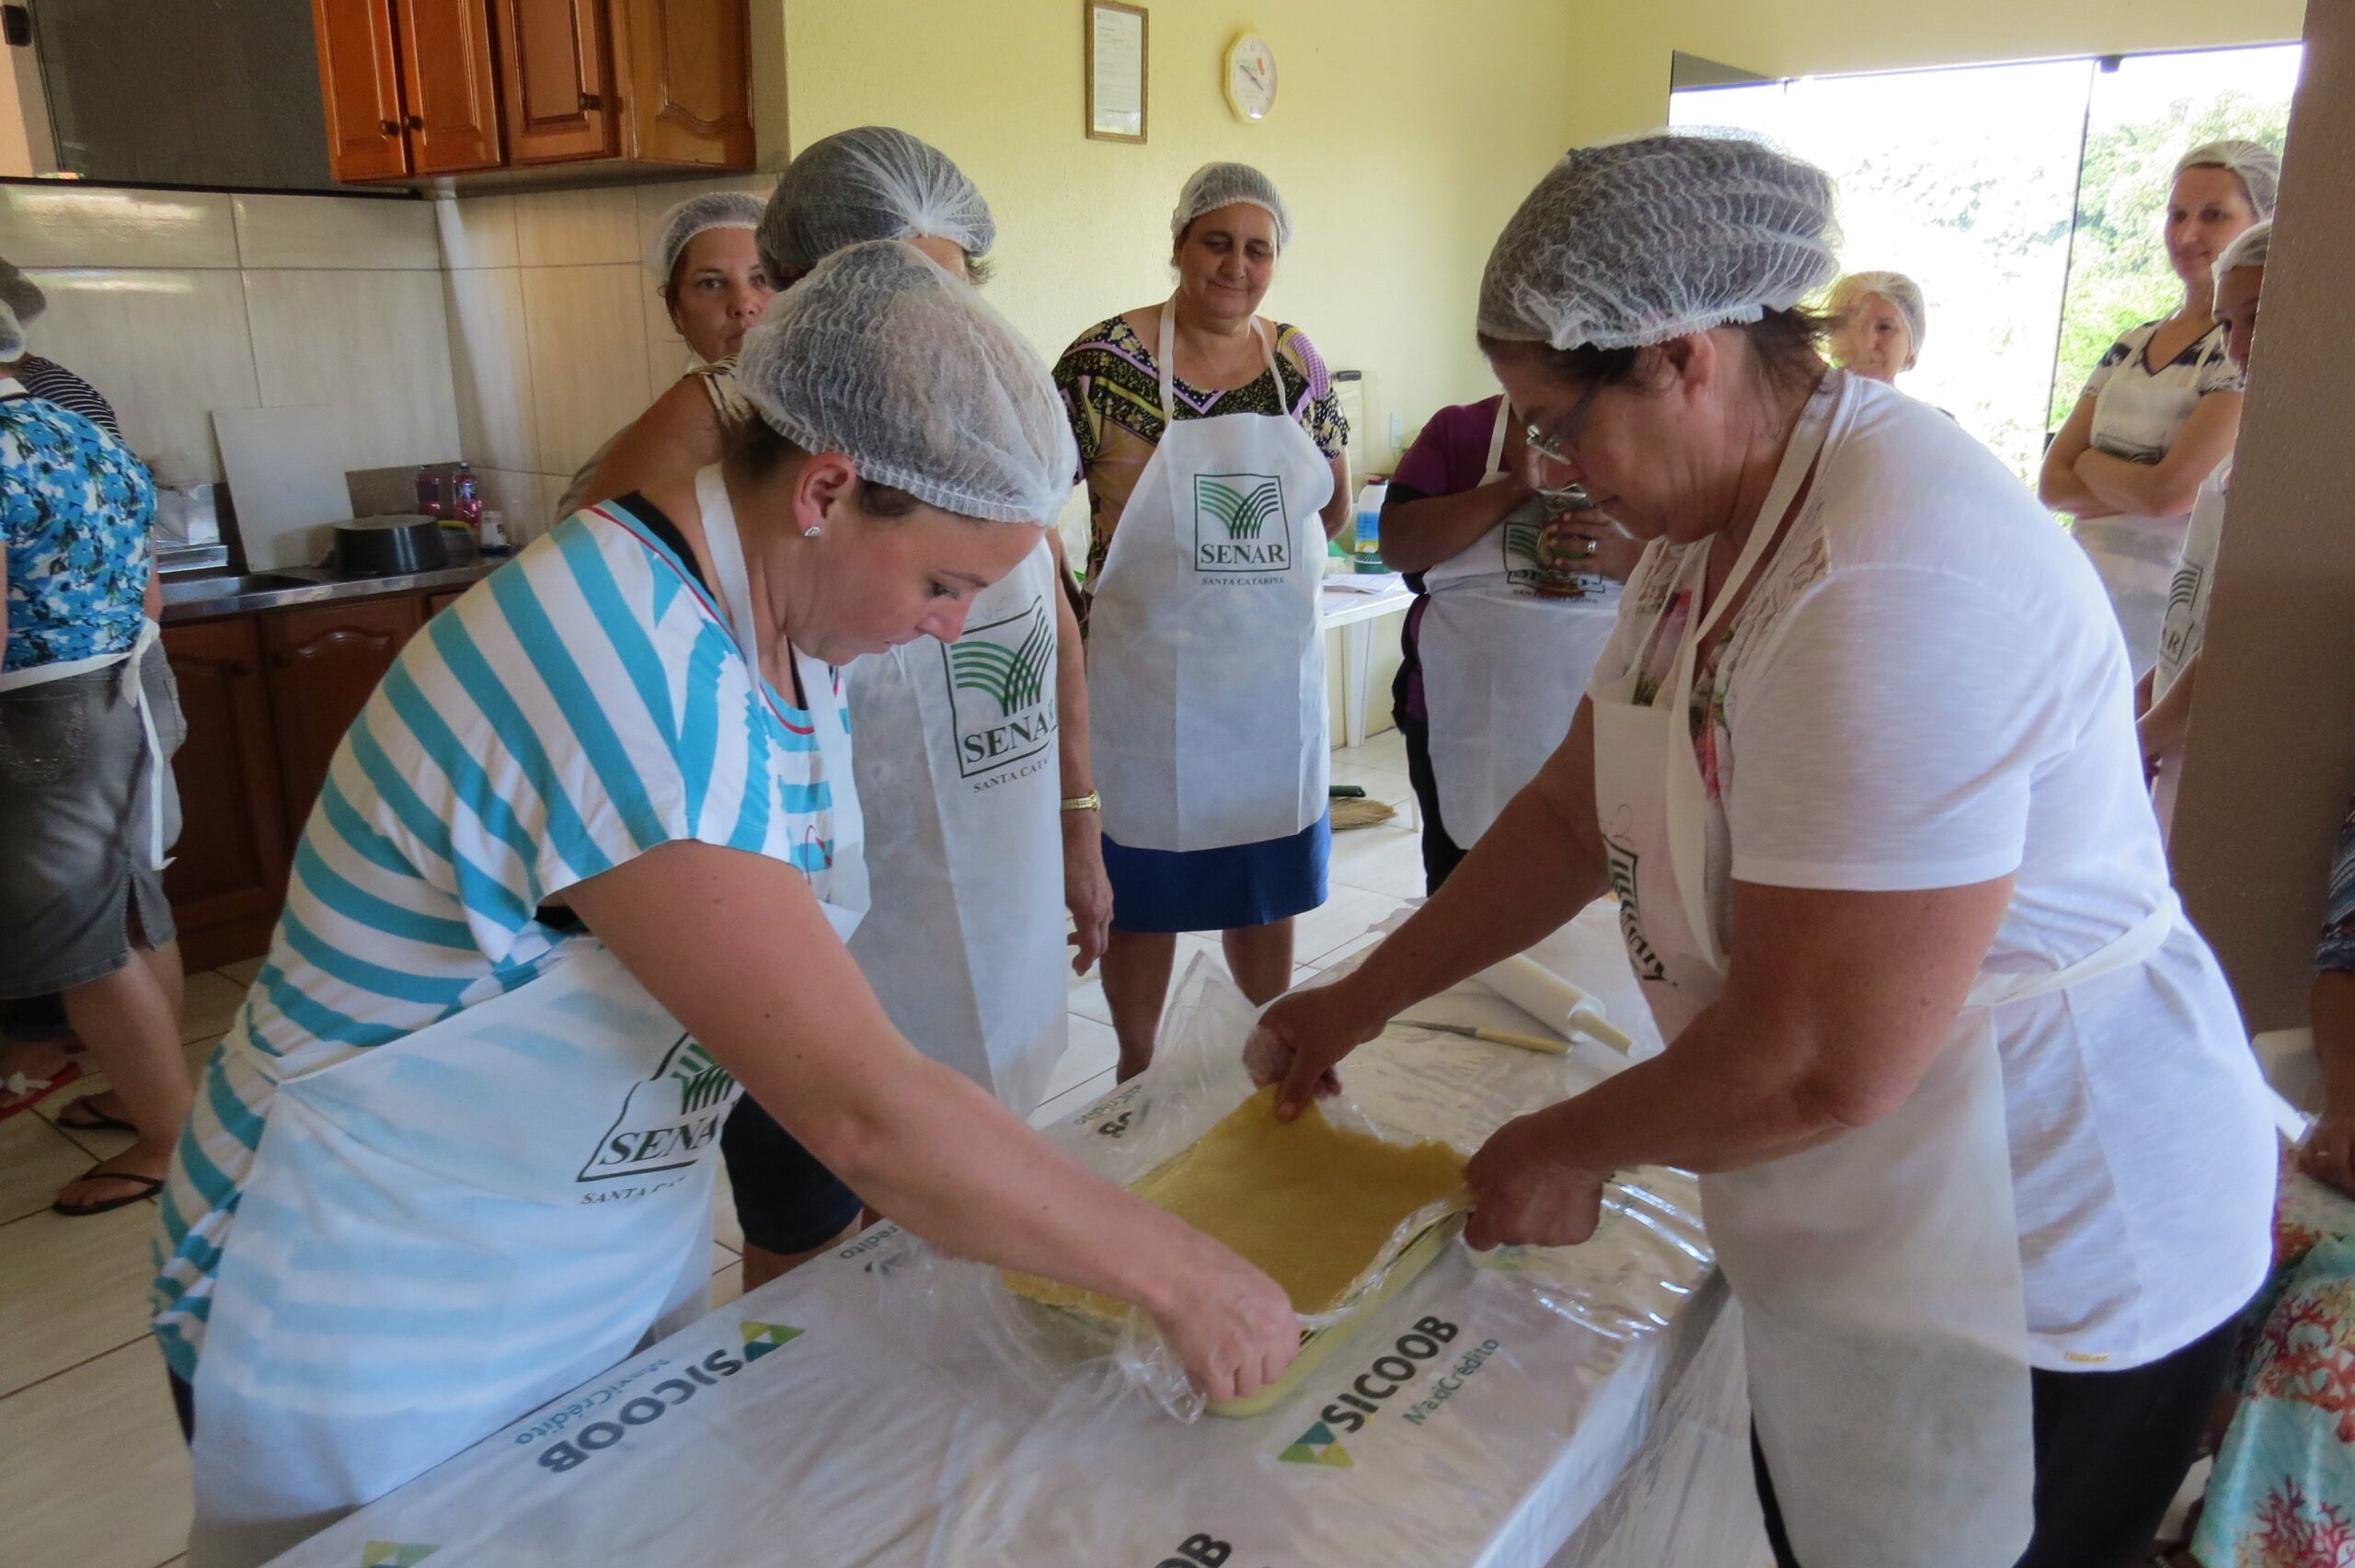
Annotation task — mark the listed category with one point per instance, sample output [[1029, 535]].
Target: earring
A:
[[811, 531]]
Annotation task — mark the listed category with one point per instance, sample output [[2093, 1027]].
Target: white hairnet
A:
[[869, 184], [20, 293], [882, 355], [1898, 290], [1639, 241], [2258, 166], [12, 334], [2248, 249], [712, 210], [1214, 185]]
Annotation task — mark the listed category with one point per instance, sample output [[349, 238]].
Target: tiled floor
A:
[[92, 1471]]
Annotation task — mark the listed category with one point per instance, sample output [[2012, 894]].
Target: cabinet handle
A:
[[415, 122], [392, 127], [590, 102]]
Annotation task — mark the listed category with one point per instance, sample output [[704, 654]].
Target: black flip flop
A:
[[99, 1120], [148, 1188]]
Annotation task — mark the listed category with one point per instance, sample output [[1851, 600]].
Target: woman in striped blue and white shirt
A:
[[451, 1160]]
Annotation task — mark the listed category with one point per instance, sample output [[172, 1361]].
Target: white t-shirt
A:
[[2138, 410], [1927, 689]]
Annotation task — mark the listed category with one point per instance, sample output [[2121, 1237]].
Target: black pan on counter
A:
[[389, 546]]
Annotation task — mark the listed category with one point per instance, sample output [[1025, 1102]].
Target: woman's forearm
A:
[[1418, 535], [1071, 685], [942, 1158], [1709, 1102], [2138, 489], [2167, 722]]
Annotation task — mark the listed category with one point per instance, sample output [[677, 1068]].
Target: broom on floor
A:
[[1352, 808]]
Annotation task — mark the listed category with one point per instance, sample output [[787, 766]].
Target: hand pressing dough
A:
[[1320, 1208]]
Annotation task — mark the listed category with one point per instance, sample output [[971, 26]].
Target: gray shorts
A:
[[74, 826]]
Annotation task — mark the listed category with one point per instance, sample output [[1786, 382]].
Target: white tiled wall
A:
[[557, 334], [175, 303]]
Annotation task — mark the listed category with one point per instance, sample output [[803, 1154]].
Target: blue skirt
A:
[[1220, 890]]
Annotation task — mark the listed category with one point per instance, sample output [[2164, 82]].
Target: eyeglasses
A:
[[1554, 445]]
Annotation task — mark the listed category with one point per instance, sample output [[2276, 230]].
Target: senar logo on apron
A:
[[1240, 525], [1521, 567], [668, 1120], [1001, 690]]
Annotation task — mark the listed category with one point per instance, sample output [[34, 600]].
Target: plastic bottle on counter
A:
[[467, 507], [1367, 550], [430, 500]]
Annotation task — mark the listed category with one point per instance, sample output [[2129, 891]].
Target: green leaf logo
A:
[[762, 1338], [1243, 512], [702, 1081], [393, 1554], [1014, 676], [1317, 1445], [1521, 546]]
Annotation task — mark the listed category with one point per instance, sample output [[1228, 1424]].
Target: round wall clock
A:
[[1250, 78]]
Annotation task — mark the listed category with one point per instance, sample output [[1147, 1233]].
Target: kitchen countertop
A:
[[206, 595]]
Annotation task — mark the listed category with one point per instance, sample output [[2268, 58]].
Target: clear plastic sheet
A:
[[1687, 1499], [1493, 1409], [1409, 1086]]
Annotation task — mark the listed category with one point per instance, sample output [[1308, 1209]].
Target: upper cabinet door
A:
[[453, 119], [361, 81], [559, 84], [688, 67]]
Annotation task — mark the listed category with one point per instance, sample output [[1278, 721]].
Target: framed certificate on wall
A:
[[1116, 70]]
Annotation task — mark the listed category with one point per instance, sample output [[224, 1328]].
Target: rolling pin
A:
[[1552, 1000]]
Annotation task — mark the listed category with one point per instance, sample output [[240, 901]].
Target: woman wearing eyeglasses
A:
[[1984, 1155], [1520, 590]]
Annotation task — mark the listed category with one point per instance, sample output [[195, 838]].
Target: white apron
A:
[[1205, 656], [448, 1230], [133, 690], [2186, 626], [1503, 668], [964, 944], [1880, 1274], [2136, 415]]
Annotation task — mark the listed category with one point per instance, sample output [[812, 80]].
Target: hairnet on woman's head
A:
[[2258, 166], [1903, 293], [2248, 250], [1214, 185], [882, 355], [12, 334], [869, 184], [712, 210], [20, 293], [1639, 241]]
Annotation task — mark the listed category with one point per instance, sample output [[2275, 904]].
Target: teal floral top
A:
[[74, 506]]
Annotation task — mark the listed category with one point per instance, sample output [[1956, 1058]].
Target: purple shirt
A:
[[1449, 456]]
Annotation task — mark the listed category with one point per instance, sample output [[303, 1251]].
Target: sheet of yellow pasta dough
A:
[[1318, 1206]]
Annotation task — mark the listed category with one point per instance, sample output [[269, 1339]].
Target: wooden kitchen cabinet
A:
[[322, 665], [452, 116], [495, 89], [559, 79], [228, 877], [360, 81], [689, 80]]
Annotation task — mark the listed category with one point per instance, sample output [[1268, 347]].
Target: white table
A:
[[803, 1424], [1353, 615]]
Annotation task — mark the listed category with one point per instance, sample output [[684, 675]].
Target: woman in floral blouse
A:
[[2283, 1491]]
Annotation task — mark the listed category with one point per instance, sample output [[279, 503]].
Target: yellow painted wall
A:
[[1402, 139], [1619, 54]]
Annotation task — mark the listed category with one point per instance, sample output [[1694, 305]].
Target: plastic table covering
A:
[[1471, 1419]]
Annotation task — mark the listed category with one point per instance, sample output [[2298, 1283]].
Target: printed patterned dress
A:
[[2283, 1491]]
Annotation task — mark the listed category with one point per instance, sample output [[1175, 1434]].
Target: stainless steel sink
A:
[[188, 591]]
